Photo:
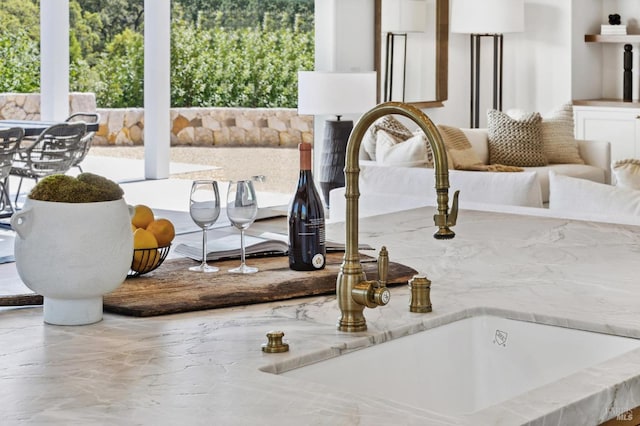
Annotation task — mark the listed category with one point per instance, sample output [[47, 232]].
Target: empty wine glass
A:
[[204, 208], [242, 209]]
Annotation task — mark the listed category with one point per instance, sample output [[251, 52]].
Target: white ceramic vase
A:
[[73, 254]]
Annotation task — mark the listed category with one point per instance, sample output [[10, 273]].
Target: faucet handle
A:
[[453, 215], [383, 266], [374, 293]]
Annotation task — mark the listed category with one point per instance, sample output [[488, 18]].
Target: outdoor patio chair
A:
[[53, 152], [85, 117], [9, 144]]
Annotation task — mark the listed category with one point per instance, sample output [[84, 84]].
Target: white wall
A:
[[344, 42], [537, 73], [543, 73], [546, 65], [586, 57]]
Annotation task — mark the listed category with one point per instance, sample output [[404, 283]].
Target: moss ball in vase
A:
[[73, 245]]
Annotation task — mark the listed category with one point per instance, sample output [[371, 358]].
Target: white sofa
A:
[[385, 189]]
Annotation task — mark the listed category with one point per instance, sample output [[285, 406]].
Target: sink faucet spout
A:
[[351, 277]]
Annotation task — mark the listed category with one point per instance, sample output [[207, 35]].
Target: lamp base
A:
[[336, 136]]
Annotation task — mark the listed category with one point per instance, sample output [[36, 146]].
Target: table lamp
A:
[[335, 93], [399, 18], [486, 18]]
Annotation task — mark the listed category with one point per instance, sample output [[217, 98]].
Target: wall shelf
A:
[[611, 103], [599, 38]]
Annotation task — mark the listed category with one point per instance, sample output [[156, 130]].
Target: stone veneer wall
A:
[[267, 127]]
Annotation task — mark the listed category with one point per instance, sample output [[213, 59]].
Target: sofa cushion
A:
[[515, 142], [627, 173], [570, 194], [460, 153], [390, 151], [581, 171], [478, 140], [521, 189], [394, 128], [558, 143]]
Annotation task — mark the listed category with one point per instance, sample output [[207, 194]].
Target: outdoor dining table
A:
[[34, 128]]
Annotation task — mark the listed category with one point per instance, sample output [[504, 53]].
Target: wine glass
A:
[[242, 209], [204, 208]]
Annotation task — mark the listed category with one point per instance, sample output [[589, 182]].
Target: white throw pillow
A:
[[395, 129], [391, 152], [627, 173], [577, 195]]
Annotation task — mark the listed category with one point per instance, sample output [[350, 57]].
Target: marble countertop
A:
[[205, 367]]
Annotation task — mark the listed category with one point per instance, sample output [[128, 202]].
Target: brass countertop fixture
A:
[[352, 289], [275, 343]]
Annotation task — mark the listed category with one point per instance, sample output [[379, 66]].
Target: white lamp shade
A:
[[487, 16], [335, 93], [404, 16]]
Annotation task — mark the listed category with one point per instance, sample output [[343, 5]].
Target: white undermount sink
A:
[[466, 365]]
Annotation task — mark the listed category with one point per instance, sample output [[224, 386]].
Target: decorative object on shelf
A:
[[614, 27], [488, 18], [73, 253], [614, 19], [401, 17], [627, 75], [335, 93]]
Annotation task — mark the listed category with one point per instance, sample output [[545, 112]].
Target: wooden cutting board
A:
[[172, 288]]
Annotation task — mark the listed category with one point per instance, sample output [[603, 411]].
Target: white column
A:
[[54, 59], [157, 94]]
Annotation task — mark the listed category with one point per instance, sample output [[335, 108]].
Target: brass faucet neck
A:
[[351, 272]]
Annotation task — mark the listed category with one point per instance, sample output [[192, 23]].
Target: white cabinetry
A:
[[618, 125]]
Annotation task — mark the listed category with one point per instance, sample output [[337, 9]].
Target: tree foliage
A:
[[120, 72], [245, 13], [223, 52], [20, 64], [243, 67]]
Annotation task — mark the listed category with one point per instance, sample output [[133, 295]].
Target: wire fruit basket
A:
[[147, 260]]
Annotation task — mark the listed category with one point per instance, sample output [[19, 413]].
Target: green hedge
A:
[[239, 67]]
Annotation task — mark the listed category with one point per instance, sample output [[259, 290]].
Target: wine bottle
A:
[[307, 248]]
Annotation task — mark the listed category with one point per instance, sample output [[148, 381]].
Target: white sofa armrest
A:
[[598, 154]]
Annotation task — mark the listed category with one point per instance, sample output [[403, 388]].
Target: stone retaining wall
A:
[[267, 127]]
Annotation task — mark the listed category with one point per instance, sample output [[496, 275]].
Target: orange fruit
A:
[[142, 216], [163, 230], [144, 260]]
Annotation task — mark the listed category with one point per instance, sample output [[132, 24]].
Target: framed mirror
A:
[[412, 51]]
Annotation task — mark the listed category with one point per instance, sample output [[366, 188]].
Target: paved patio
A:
[[170, 197]]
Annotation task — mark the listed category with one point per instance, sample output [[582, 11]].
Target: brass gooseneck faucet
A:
[[354, 292]]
